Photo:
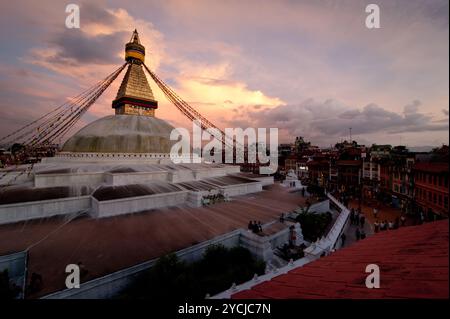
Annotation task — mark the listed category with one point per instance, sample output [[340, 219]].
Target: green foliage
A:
[[215, 272], [314, 225], [315, 190]]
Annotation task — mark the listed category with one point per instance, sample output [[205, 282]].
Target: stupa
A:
[[121, 164]]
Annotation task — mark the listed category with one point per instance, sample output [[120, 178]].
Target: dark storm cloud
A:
[[79, 47], [74, 47]]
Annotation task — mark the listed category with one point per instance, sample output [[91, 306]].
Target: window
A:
[[440, 200]]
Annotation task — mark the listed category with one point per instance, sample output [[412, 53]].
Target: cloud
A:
[[412, 108], [88, 54], [94, 50], [261, 57], [328, 121]]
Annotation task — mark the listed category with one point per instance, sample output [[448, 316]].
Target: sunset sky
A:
[[310, 68]]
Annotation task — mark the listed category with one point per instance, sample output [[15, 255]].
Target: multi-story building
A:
[[318, 171], [370, 179], [431, 184], [345, 169], [395, 176], [431, 187]]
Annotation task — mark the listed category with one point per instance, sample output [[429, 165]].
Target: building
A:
[[431, 184], [371, 176], [122, 201], [395, 178], [348, 168], [120, 164], [318, 171]]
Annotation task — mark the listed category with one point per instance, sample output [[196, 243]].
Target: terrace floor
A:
[[110, 244]]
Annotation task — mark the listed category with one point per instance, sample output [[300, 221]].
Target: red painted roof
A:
[[413, 263]]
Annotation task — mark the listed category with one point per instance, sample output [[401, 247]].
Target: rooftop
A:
[[110, 244], [413, 263]]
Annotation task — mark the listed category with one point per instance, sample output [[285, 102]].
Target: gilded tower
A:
[[135, 97]]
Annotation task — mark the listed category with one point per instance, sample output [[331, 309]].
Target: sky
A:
[[309, 68]]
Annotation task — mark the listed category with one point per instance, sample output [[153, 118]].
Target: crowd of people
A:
[[358, 219], [255, 227], [389, 225]]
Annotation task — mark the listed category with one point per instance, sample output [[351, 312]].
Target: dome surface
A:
[[122, 134]]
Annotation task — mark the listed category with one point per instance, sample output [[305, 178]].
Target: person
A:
[[357, 234], [250, 225], [282, 218], [343, 237], [390, 225], [357, 218], [422, 218], [362, 220], [375, 212], [36, 282], [255, 227], [403, 220], [259, 227], [382, 226], [363, 234], [397, 223], [303, 192], [376, 226]]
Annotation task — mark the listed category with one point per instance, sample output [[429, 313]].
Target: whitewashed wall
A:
[[11, 213], [135, 178], [54, 180], [320, 207], [241, 189], [136, 204]]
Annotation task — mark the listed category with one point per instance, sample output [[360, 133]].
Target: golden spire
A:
[[134, 50], [135, 97]]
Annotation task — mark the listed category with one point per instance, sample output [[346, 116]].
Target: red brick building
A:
[[431, 187]]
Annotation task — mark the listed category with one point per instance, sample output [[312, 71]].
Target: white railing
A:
[[325, 244], [314, 251]]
